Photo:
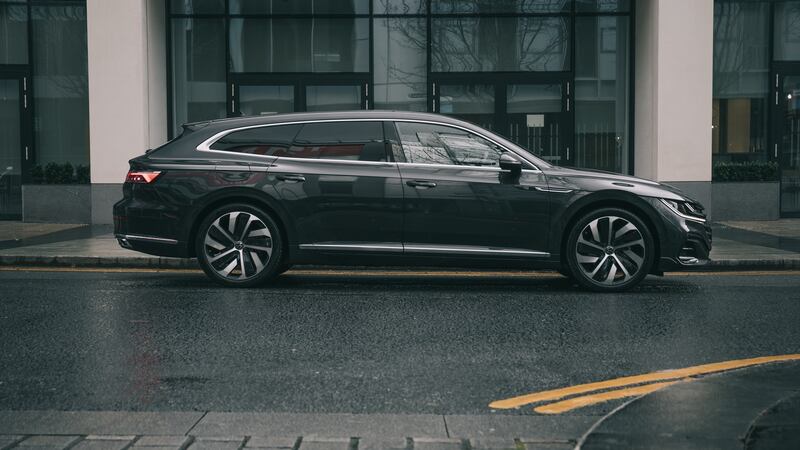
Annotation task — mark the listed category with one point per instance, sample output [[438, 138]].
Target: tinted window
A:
[[274, 140], [436, 144], [357, 141]]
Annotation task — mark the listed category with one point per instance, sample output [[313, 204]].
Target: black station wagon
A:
[[250, 197]]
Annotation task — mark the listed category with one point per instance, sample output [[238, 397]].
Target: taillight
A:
[[141, 177]]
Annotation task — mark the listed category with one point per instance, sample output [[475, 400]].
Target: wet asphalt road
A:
[[364, 344]]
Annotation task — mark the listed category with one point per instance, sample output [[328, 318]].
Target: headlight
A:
[[685, 209]]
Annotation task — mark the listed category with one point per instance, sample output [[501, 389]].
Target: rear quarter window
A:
[[273, 140]]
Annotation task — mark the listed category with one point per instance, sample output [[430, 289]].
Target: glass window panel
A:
[[466, 99], [10, 150], [476, 44], [741, 80], [436, 144], [13, 33], [198, 70], [333, 98], [534, 98], [299, 45], [400, 64], [399, 7], [61, 126], [356, 141], [787, 31], [264, 100], [299, 6], [603, 5], [272, 140], [499, 6], [601, 94], [198, 6]]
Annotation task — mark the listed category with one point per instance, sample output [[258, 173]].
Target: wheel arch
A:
[[261, 201], [609, 199]]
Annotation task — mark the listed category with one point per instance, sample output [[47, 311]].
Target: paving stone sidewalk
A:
[[115, 430], [737, 245]]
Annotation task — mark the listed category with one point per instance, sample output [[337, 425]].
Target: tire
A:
[[245, 253], [609, 250]]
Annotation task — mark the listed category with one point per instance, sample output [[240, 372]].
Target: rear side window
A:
[[271, 140], [354, 141]]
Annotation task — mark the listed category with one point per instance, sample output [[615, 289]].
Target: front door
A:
[[457, 200], [534, 114], [786, 146], [254, 95], [13, 146]]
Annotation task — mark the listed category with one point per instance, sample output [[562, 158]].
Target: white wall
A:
[[127, 83], [674, 56]]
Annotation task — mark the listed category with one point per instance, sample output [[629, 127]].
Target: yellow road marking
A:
[[586, 400], [673, 374]]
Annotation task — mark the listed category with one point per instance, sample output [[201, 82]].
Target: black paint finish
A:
[[377, 200]]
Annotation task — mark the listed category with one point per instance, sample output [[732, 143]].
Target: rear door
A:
[[339, 186], [459, 202]]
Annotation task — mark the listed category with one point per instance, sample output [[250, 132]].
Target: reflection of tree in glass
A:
[[499, 43]]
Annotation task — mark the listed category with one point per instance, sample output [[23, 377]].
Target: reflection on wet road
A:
[[380, 342]]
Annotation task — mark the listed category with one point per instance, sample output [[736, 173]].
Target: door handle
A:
[[291, 177], [421, 184]]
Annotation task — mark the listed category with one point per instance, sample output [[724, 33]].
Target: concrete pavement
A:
[[737, 245]]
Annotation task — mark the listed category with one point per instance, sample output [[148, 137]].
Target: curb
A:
[[154, 262]]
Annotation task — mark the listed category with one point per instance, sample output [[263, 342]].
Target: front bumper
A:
[[686, 244]]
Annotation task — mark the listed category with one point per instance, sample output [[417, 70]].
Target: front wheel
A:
[[239, 245], [610, 250]]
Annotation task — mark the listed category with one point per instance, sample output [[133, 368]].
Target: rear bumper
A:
[[148, 229], [151, 245]]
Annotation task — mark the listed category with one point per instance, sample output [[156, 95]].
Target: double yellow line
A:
[[640, 385]]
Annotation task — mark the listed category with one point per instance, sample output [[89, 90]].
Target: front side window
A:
[[353, 141], [269, 141], [438, 144]]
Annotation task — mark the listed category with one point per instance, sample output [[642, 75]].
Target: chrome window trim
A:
[[205, 146], [135, 237], [423, 248]]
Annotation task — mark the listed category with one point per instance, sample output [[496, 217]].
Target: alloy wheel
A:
[[238, 245], [610, 250]]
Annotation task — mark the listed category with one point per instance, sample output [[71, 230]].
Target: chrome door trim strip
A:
[[396, 247], [341, 246], [470, 250], [205, 146], [135, 237]]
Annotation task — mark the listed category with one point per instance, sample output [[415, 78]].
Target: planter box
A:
[[59, 203], [745, 200]]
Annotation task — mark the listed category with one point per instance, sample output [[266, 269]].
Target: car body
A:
[[396, 188]]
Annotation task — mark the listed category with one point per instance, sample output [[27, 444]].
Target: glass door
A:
[[787, 140], [13, 103], [254, 95], [537, 118], [471, 102], [535, 115]]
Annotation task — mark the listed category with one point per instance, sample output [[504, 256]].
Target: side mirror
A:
[[510, 164]]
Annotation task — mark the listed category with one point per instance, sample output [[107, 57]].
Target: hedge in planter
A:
[[745, 171], [54, 173]]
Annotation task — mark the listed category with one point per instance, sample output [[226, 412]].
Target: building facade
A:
[[680, 91]]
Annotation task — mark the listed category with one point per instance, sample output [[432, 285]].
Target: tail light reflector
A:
[[141, 177]]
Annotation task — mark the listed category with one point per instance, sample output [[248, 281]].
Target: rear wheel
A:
[[239, 245], [610, 250]]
